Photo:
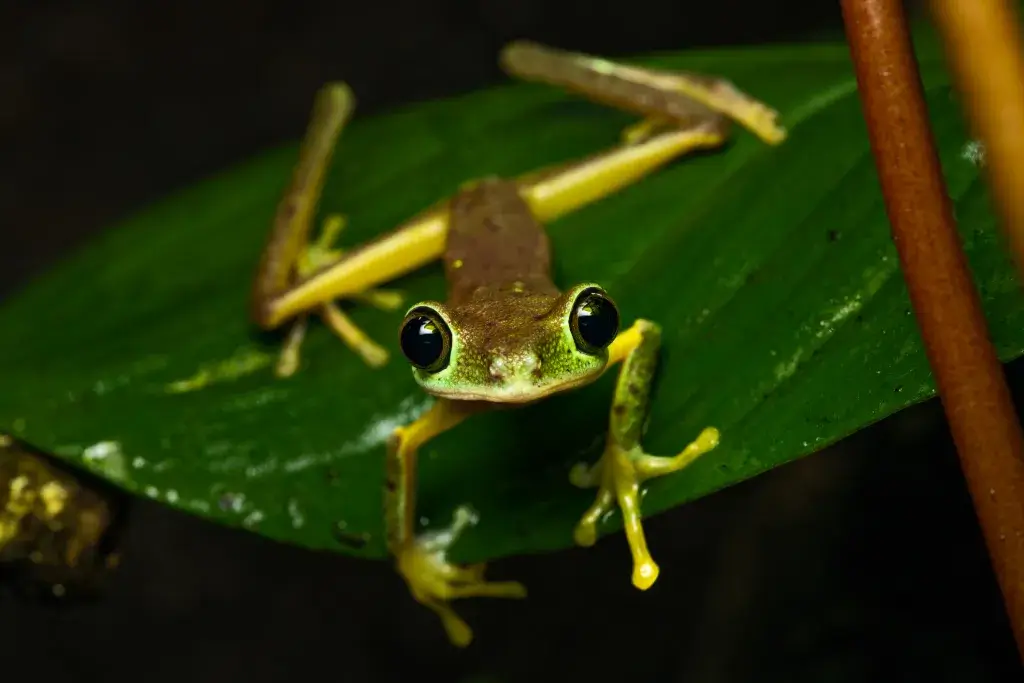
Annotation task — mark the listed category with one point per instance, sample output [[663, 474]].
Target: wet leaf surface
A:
[[786, 320]]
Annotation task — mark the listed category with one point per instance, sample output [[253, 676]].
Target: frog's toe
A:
[[618, 482], [384, 299], [458, 631], [586, 530], [643, 130], [372, 353], [289, 359], [618, 475], [433, 581], [430, 576], [585, 476]]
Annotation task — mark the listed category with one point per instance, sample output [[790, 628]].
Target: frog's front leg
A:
[[289, 257], [624, 466], [432, 580]]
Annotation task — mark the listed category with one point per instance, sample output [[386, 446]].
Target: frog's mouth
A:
[[516, 392]]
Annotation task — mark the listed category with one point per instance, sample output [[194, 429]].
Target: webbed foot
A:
[[618, 476], [433, 581]]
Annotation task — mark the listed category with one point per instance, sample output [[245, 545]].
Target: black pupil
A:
[[597, 321], [422, 341]]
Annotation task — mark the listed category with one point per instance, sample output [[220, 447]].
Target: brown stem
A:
[[984, 50], [968, 374]]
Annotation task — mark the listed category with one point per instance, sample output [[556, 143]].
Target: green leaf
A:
[[786, 320]]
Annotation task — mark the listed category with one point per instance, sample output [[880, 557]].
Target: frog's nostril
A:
[[505, 367], [498, 368], [530, 364]]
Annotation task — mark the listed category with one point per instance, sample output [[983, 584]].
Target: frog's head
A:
[[511, 346]]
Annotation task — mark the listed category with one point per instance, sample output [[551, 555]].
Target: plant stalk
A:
[[984, 51], [967, 371]]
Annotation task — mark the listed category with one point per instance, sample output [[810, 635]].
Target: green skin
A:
[[505, 314], [503, 310]]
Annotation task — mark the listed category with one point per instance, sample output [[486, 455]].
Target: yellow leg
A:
[[421, 561], [289, 257], [320, 254], [624, 466], [323, 253]]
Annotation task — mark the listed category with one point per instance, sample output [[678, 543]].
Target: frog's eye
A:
[[425, 339], [594, 320]]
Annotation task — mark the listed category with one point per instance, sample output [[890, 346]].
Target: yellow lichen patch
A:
[[20, 497], [49, 518], [8, 529], [245, 362], [54, 496]]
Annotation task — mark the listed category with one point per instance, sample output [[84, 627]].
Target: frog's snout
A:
[[522, 366]]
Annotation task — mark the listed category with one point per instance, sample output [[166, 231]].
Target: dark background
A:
[[862, 563]]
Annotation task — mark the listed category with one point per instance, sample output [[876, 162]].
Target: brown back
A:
[[495, 243]]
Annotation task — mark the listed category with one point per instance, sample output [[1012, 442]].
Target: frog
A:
[[506, 336]]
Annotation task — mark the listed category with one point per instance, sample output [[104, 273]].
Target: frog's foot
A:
[[724, 97], [433, 581], [617, 476], [316, 256], [718, 94]]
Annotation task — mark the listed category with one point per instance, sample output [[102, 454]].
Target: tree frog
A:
[[506, 335]]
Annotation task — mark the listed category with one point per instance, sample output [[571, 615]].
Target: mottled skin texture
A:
[[495, 244], [510, 333]]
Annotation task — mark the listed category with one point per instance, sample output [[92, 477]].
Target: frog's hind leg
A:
[[663, 98], [624, 466], [289, 257]]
